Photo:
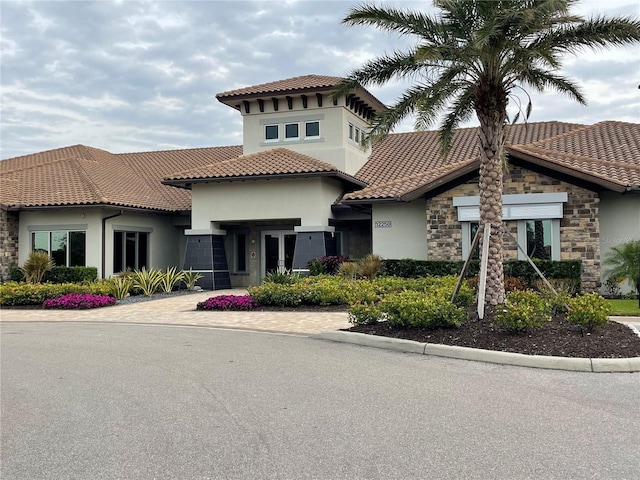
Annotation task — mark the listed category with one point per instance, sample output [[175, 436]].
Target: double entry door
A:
[[278, 247]]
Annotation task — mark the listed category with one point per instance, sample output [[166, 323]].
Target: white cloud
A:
[[143, 74]]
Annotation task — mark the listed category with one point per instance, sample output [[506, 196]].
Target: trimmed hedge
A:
[[62, 275], [23, 294], [408, 268]]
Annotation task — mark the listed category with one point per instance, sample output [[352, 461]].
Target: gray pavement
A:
[[180, 310], [107, 401]]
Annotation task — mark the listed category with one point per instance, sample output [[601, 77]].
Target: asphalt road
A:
[[107, 401]]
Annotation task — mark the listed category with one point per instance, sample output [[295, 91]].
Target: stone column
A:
[[8, 243]]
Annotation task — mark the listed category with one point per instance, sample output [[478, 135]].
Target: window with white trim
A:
[[67, 248], [292, 131], [130, 251], [311, 130], [538, 222], [271, 133]]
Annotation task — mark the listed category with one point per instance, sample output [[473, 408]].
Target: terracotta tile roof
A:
[[305, 82], [80, 175], [607, 150], [269, 163], [302, 84], [400, 160]]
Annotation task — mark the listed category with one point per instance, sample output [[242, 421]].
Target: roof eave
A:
[[186, 182]]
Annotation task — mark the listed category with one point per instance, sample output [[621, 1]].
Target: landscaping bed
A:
[[558, 338]]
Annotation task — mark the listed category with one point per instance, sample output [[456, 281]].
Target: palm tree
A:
[[624, 261], [473, 57]]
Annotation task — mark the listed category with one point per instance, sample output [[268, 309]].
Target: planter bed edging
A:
[[598, 365]]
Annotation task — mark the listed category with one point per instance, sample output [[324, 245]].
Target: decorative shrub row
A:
[[23, 294], [62, 275], [228, 302], [525, 311], [79, 301], [408, 268]]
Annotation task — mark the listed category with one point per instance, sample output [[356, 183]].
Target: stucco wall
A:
[[308, 199], [619, 223], [402, 230], [8, 243], [332, 147], [579, 228], [165, 240], [63, 219]]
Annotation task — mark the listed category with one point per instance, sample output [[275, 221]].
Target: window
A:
[[357, 137], [291, 131], [312, 130], [130, 250], [539, 239], [67, 248], [240, 253], [271, 133], [350, 131]]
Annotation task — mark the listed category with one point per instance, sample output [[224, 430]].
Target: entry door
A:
[[277, 247]]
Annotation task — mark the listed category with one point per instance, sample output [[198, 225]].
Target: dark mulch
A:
[[559, 338]]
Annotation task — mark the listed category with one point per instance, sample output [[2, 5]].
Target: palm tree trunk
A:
[[491, 137]]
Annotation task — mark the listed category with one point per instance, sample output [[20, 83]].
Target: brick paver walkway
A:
[[180, 310]]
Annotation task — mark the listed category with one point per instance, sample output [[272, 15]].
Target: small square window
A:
[[312, 129], [270, 133], [291, 131]]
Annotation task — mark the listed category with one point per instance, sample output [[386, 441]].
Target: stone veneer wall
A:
[[579, 227], [8, 243]]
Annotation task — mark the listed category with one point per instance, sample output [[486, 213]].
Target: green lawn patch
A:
[[624, 308]]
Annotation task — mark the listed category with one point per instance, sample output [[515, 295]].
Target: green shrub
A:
[[148, 281], [169, 279], [364, 314], [36, 265], [415, 309], [326, 292], [408, 268], [28, 294], [277, 294], [62, 275], [284, 278], [589, 310], [189, 278], [523, 311], [315, 267], [122, 286], [330, 264]]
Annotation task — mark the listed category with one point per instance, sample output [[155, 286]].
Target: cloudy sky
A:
[[134, 76]]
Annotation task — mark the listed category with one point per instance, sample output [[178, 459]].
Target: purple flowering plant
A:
[[79, 301], [228, 302]]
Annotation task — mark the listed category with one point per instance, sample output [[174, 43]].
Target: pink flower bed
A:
[[79, 300], [228, 302]]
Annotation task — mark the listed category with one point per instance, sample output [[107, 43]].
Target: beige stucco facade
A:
[[166, 245], [332, 146], [307, 199], [399, 230], [619, 223]]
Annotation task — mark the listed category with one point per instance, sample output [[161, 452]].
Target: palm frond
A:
[[394, 20]]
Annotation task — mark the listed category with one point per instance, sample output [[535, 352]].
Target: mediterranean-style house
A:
[[302, 186]]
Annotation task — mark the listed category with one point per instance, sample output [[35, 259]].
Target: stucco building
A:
[[302, 186]]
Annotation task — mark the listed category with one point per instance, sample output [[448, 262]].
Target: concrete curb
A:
[[599, 365]]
